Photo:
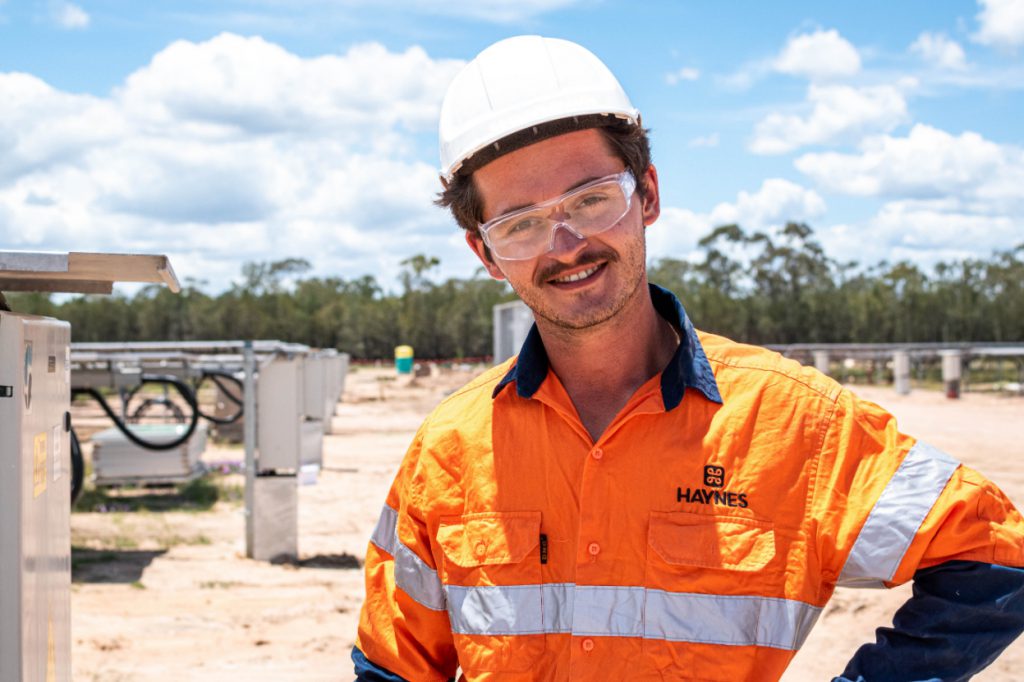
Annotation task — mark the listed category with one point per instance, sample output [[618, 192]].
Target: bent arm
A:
[[893, 510], [404, 631], [961, 616]]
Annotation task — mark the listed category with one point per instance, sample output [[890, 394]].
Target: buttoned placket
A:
[[590, 564]]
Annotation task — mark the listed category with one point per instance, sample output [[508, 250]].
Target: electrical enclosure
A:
[[279, 406], [117, 460], [512, 322], [35, 493]]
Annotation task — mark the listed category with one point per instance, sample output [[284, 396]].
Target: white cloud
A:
[[940, 51], [923, 232], [818, 56], [232, 85], [229, 150], [840, 113], [1000, 23], [68, 15], [775, 203], [684, 74], [705, 141], [973, 174]]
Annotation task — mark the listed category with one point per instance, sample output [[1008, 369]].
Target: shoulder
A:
[[455, 434], [469, 407], [743, 368]]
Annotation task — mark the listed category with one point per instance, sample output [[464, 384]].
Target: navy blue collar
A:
[[688, 368]]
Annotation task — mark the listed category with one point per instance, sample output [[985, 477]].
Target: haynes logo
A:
[[714, 477]]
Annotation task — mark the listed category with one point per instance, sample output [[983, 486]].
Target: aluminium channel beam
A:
[[81, 273]]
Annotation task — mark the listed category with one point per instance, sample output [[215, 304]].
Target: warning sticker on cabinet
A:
[[57, 469], [39, 457]]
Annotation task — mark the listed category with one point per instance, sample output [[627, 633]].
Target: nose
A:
[[565, 241]]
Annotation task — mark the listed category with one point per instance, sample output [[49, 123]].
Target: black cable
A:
[[77, 468], [167, 403], [216, 375], [183, 389], [127, 395]]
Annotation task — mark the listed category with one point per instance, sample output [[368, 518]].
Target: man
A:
[[630, 498]]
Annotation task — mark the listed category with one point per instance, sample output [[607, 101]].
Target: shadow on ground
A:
[[110, 565], [343, 561]]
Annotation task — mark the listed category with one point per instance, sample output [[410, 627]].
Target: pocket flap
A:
[[731, 542], [489, 538]]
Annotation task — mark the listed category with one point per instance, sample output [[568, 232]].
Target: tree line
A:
[[754, 287]]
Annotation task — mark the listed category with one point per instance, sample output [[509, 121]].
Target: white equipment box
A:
[[35, 494], [287, 439], [118, 461], [512, 322]]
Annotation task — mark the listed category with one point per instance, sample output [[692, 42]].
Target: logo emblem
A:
[[713, 490], [714, 476]]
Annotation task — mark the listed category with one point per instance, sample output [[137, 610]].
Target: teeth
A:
[[578, 276]]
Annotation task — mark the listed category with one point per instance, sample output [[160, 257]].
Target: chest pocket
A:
[[696, 565], [732, 543], [492, 576]]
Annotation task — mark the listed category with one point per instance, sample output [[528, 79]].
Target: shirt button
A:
[[597, 453], [594, 549], [481, 549], [588, 645]]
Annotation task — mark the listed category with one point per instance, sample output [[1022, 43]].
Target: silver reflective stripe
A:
[[610, 611], [385, 535], [614, 611], [733, 620], [493, 610], [896, 516], [558, 607], [412, 575]]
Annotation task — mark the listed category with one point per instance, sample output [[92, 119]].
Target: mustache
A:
[[555, 270]]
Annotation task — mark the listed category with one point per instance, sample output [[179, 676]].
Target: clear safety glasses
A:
[[583, 212]]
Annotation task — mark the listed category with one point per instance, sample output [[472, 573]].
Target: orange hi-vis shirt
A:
[[698, 539]]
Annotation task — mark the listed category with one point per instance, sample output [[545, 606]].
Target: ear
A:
[[652, 200], [476, 243]]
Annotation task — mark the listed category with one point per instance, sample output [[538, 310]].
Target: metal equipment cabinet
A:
[[35, 546], [35, 456]]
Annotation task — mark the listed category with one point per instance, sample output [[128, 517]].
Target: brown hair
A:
[[627, 141]]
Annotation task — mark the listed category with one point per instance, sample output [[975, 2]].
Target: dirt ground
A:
[[169, 594]]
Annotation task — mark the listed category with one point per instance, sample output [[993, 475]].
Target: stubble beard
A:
[[594, 315]]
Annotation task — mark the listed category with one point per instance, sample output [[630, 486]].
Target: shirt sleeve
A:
[[890, 509], [961, 616], [404, 629]]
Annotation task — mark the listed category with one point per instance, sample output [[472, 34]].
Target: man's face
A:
[[607, 270]]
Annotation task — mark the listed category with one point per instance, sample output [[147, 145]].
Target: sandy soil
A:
[[170, 594]]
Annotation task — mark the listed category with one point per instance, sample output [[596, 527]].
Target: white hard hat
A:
[[522, 82]]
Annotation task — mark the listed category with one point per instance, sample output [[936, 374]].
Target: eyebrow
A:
[[579, 184]]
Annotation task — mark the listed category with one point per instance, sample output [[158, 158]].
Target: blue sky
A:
[[261, 129]]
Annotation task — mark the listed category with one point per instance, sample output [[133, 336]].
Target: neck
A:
[[602, 366]]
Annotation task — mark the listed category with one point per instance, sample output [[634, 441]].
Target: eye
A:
[[590, 200], [517, 227]]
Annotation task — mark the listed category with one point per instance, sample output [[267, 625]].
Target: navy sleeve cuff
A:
[[960, 618], [368, 671]]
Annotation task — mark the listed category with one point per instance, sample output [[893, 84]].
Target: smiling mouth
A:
[[577, 277]]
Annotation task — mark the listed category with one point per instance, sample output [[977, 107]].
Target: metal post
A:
[[901, 371], [951, 372], [249, 436], [821, 361]]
